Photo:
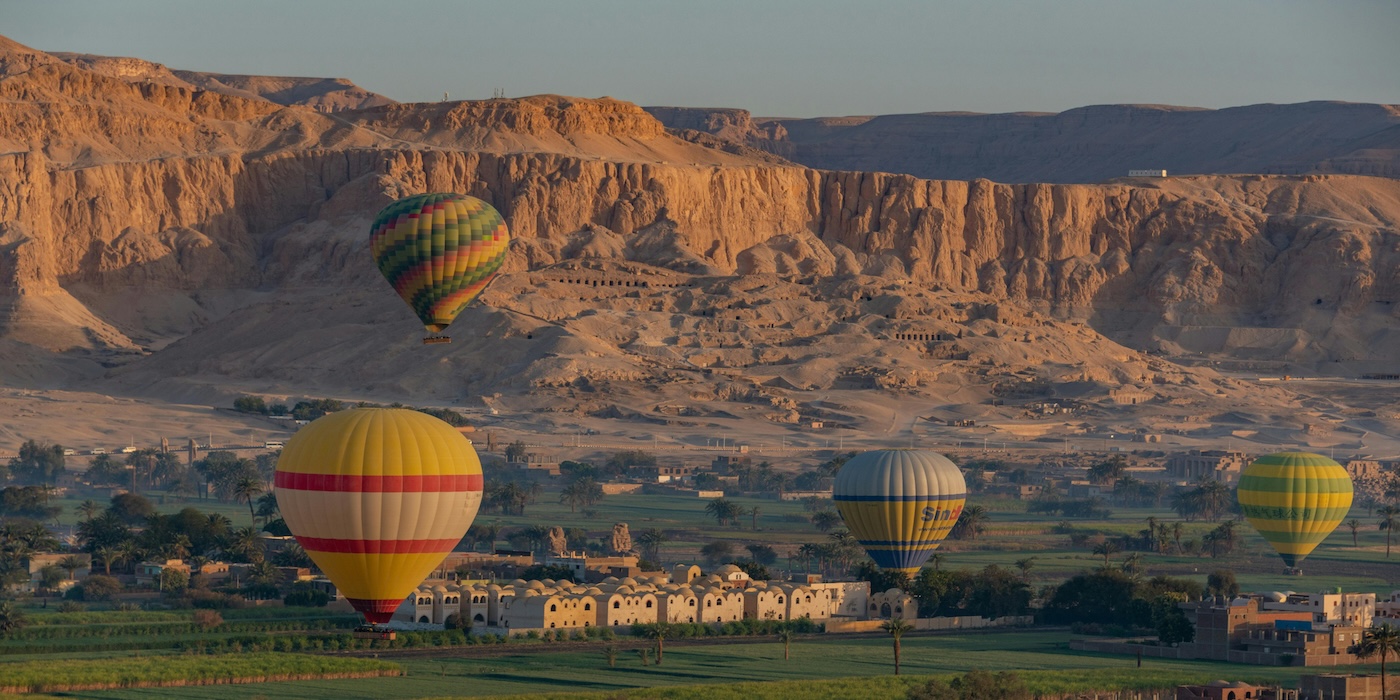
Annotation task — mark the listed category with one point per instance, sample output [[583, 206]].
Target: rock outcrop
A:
[[145, 212]]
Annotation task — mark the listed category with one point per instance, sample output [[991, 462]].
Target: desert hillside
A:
[[164, 239], [1089, 144]]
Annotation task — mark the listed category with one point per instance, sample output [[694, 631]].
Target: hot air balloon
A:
[[1295, 500], [900, 504], [439, 251], [378, 497]]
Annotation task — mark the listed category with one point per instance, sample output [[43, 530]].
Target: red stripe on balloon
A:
[[399, 483], [339, 546]]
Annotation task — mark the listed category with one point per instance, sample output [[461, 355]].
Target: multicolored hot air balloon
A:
[[900, 504], [378, 497], [439, 251], [1295, 500]]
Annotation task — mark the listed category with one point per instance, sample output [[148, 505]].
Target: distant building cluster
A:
[[685, 594], [1274, 629]]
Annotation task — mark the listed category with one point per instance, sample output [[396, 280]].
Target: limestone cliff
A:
[[157, 211]]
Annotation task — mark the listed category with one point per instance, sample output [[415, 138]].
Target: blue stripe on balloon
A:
[[888, 499], [901, 543]]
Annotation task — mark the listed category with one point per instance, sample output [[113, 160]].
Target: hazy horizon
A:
[[776, 59]]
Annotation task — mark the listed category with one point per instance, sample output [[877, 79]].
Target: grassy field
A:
[[813, 658], [236, 512], [61, 675]]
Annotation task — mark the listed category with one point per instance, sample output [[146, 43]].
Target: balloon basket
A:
[[436, 340], [1292, 571], [373, 632]]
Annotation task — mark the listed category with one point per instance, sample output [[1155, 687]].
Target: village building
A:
[[1218, 465]]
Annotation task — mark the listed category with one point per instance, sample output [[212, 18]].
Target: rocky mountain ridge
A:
[[145, 226], [1084, 145]]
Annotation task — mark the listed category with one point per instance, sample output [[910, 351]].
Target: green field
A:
[[1011, 534], [813, 658]]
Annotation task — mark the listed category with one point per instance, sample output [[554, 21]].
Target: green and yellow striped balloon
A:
[[900, 504], [1295, 500], [439, 251]]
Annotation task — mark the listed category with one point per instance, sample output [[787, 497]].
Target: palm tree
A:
[[536, 535], [610, 654], [1214, 497], [825, 520], [896, 628], [970, 523], [651, 540], [1186, 504], [179, 548], [1152, 534], [263, 572], [785, 635], [489, 534], [267, 507], [89, 509], [753, 513], [1390, 521], [1178, 530], [1025, 565], [581, 492], [11, 618], [1380, 640], [720, 509], [937, 560], [106, 554], [658, 631], [70, 564], [245, 491], [1106, 549], [807, 551], [1132, 563], [196, 568], [1355, 525], [245, 545]]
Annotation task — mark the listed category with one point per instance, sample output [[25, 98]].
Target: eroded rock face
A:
[[108, 185]]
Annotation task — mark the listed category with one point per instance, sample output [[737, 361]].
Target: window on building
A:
[[648, 604], [587, 606], [553, 607]]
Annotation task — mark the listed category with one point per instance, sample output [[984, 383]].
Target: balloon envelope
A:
[[439, 251], [1295, 500], [900, 504], [378, 497]]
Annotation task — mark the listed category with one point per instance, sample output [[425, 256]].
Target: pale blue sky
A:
[[791, 58]]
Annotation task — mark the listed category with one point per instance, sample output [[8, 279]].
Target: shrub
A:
[[69, 606], [307, 597], [207, 619], [95, 587]]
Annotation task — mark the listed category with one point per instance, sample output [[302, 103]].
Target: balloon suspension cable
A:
[[436, 338]]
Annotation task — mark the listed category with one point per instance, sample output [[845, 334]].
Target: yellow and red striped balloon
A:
[[378, 497]]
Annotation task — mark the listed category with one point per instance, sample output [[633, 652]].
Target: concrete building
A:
[[1390, 607], [1219, 690], [1339, 687], [684, 595], [1354, 609], [893, 604]]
